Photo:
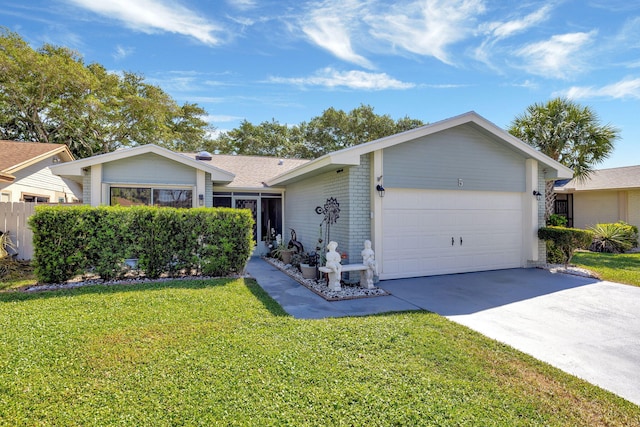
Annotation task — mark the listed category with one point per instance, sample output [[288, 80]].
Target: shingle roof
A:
[[605, 179], [13, 154], [251, 171]]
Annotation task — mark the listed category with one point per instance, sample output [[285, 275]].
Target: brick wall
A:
[[360, 208], [86, 187], [542, 248]]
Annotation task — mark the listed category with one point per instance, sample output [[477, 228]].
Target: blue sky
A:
[[430, 59]]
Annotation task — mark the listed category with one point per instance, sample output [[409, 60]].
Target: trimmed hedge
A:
[[74, 240], [567, 240]]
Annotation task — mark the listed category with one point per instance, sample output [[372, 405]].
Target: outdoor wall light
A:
[[380, 190], [201, 199], [537, 194]]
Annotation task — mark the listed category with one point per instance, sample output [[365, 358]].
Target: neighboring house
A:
[[25, 174], [450, 197], [608, 195]]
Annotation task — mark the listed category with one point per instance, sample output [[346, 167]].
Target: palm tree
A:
[[566, 132]]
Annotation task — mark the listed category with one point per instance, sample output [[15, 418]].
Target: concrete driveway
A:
[[585, 327]]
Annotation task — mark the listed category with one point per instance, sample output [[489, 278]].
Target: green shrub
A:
[[556, 220], [566, 240], [59, 242], [614, 238], [74, 240], [554, 255]]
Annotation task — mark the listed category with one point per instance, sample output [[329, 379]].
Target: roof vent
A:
[[204, 155]]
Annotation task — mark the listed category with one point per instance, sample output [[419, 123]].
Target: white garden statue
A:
[[369, 261], [334, 266]]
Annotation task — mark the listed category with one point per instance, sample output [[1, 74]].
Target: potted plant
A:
[[283, 252], [308, 268]]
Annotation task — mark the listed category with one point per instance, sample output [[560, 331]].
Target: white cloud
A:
[[498, 31], [221, 118], [354, 79], [122, 52], [331, 26], [627, 88], [427, 27], [506, 29], [561, 56], [152, 16], [242, 4]]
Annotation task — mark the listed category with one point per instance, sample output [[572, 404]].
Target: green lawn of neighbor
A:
[[222, 352], [621, 268]]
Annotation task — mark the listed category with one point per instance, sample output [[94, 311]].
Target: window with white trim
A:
[[151, 196]]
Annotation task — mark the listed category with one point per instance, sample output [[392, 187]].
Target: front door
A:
[[252, 205]]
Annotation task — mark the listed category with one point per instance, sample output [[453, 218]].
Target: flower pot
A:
[[286, 256], [308, 272]]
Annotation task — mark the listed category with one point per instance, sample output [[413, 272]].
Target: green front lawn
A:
[[221, 352], [621, 268]]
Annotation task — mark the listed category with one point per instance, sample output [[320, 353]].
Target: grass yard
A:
[[222, 352], [621, 268]]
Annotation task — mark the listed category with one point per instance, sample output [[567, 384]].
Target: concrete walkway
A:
[[585, 327], [301, 303]]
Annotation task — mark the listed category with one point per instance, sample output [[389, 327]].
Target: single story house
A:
[[25, 174], [454, 196], [608, 195]]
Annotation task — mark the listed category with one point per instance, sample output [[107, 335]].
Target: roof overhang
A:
[[6, 177], [562, 189], [75, 168], [62, 152], [351, 156]]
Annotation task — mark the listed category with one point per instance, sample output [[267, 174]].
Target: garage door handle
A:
[[453, 241], [460, 241]]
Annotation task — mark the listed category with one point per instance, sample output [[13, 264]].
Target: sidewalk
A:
[[301, 303]]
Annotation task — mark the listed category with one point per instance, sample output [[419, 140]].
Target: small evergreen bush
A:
[[566, 240], [556, 220], [554, 255]]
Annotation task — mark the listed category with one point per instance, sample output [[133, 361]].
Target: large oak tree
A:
[[50, 95], [333, 130]]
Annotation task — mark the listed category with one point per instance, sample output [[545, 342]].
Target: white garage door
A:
[[428, 232]]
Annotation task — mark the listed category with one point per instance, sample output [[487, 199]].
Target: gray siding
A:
[[438, 161], [351, 188], [148, 169]]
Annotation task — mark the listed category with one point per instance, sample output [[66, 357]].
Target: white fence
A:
[[13, 218]]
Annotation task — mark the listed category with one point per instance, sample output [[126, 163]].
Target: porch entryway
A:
[[266, 209]]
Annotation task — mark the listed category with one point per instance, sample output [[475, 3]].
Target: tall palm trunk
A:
[[549, 200]]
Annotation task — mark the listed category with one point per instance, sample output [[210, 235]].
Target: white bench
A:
[[345, 269]]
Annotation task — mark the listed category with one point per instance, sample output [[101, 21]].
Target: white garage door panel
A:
[[419, 226]]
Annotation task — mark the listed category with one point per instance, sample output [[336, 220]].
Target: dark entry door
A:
[[252, 205]]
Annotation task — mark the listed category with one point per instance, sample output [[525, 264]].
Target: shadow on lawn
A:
[[101, 288], [269, 303]]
